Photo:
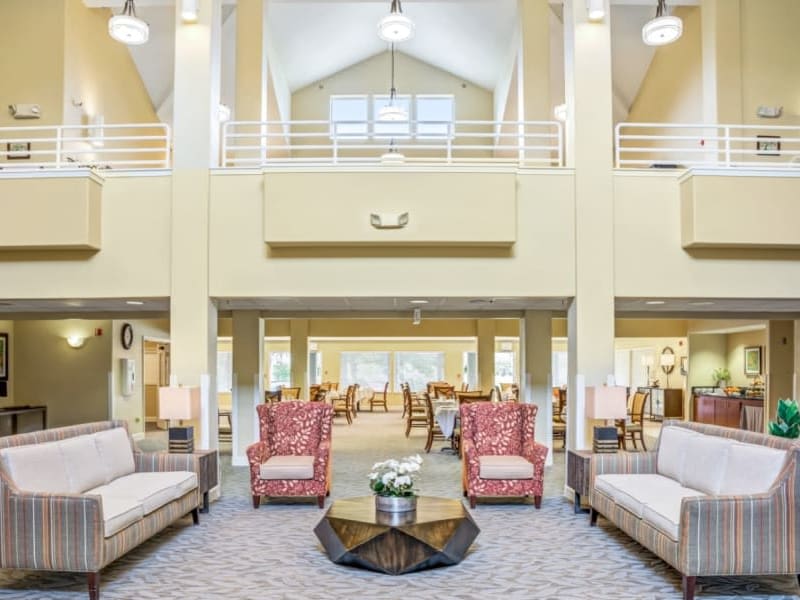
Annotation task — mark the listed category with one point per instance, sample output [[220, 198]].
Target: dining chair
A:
[[355, 400], [290, 393], [341, 405], [473, 396], [377, 400], [560, 416], [434, 431], [444, 391], [465, 387], [416, 413], [635, 423], [271, 396], [319, 396], [312, 390]]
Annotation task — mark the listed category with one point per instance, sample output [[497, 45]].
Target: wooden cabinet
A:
[[663, 403], [722, 410]]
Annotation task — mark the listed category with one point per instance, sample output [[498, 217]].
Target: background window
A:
[[280, 368], [559, 366], [470, 367], [364, 368], [434, 108], [224, 371], [504, 367], [349, 108], [418, 368], [391, 128]]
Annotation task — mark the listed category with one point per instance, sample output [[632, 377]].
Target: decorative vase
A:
[[395, 504]]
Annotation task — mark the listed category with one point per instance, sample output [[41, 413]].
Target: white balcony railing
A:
[[118, 146], [640, 145], [522, 143]]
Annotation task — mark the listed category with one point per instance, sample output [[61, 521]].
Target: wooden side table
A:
[[208, 477], [578, 473]]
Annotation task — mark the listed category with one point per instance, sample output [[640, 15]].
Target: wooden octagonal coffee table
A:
[[437, 534]]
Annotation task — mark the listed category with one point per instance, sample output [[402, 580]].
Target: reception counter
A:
[[730, 411], [22, 419]]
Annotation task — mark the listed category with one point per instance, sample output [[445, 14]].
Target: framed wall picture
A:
[[752, 361], [18, 150], [684, 365], [3, 356], [768, 145]]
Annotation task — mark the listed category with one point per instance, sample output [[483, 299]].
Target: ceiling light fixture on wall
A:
[[396, 27], [596, 9], [190, 12], [75, 341], [417, 316], [127, 28], [662, 30]]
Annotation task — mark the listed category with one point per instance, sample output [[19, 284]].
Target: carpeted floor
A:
[[272, 553]]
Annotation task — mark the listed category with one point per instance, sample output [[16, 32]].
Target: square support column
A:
[[248, 378], [536, 384]]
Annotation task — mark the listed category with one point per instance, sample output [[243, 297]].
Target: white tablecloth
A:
[[446, 413], [364, 394]]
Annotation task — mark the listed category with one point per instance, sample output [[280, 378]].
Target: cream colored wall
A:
[[225, 399], [8, 328], [99, 71], [72, 383], [541, 263], [32, 69], [131, 408], [736, 343], [412, 76], [133, 261], [649, 260]]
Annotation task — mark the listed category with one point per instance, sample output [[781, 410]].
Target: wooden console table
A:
[[578, 474], [22, 419]]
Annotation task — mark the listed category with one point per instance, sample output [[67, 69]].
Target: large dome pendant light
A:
[[662, 30], [395, 27], [127, 28], [392, 111]]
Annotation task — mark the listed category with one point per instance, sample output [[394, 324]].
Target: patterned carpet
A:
[[271, 553]]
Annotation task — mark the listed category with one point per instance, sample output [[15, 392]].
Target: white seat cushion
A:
[[665, 515], [505, 467], [119, 512], [751, 469], [706, 459], [85, 468], [36, 467], [635, 492], [115, 451], [288, 467], [672, 451], [151, 490]]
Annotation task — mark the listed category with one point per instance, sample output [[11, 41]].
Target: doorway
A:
[[156, 367]]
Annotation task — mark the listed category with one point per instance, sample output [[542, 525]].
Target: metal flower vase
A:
[[395, 504]]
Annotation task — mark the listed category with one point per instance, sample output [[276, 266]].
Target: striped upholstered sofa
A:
[[708, 500], [76, 498]]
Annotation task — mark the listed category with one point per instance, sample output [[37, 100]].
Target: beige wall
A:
[[131, 408], [133, 261], [72, 383], [736, 343], [32, 68], [412, 76], [8, 328]]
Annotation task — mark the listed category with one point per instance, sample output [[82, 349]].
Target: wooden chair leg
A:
[[321, 501], [537, 501], [93, 581], [429, 443], [256, 501], [196, 515], [473, 501], [593, 517], [641, 439], [408, 427], [688, 587]]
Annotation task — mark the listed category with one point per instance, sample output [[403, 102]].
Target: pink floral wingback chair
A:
[[500, 456], [294, 455]]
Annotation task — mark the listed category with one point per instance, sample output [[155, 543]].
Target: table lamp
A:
[[608, 403], [178, 404], [667, 364]]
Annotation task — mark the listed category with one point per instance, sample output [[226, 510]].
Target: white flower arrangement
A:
[[395, 477]]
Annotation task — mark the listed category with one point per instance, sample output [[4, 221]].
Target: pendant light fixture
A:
[[392, 111], [662, 30], [395, 27], [127, 28]]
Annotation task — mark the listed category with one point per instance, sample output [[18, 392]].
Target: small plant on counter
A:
[[721, 374], [787, 423]]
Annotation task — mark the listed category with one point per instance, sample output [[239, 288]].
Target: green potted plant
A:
[[787, 423], [722, 376]]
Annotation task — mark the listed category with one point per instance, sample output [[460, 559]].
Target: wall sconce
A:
[[223, 113], [75, 341], [417, 319], [596, 9], [560, 112], [190, 12]]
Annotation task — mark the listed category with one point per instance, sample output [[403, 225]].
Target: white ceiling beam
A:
[[139, 3]]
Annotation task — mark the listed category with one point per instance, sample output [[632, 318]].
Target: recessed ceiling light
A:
[[653, 302], [418, 301], [702, 303], [479, 301], [134, 302]]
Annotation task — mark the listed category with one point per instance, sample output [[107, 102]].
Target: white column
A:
[[248, 387], [590, 318], [536, 383], [486, 333], [298, 332], [193, 316]]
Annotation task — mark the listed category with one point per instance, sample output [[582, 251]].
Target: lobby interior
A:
[[589, 205]]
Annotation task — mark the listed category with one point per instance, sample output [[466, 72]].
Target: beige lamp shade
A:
[[178, 403], [667, 360], [606, 402]]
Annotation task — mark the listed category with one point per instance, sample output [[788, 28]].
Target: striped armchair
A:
[[710, 501], [77, 498]]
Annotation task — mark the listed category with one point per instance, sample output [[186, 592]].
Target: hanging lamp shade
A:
[[663, 29], [127, 28], [392, 111], [395, 27]]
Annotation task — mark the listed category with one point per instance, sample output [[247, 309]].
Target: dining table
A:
[[445, 412]]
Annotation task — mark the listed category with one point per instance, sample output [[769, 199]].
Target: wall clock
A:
[[126, 336]]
